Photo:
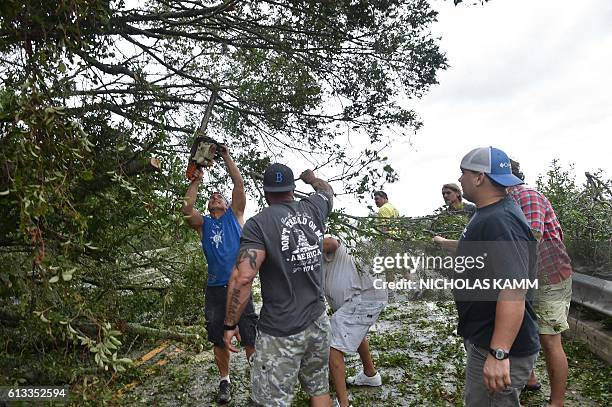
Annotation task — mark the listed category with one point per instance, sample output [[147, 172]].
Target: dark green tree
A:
[[92, 90], [584, 211]]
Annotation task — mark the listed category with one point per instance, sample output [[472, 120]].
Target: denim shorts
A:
[[352, 321]]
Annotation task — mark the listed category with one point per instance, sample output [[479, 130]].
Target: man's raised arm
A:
[[238, 291], [238, 193], [192, 216], [318, 184]]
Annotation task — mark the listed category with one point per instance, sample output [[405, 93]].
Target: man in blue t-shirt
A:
[[220, 235], [496, 319]]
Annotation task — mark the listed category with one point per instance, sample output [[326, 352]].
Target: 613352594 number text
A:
[[17, 393]]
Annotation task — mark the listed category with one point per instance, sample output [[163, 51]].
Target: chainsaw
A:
[[204, 149]]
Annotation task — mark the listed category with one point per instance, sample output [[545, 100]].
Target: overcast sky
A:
[[532, 77]]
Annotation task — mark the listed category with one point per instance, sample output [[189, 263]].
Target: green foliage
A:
[[42, 23], [401, 229], [76, 232], [92, 88], [305, 76], [584, 211], [588, 381]]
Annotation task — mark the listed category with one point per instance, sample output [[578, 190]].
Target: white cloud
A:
[[530, 77]]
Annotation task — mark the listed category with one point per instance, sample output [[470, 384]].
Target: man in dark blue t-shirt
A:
[[496, 318], [219, 232]]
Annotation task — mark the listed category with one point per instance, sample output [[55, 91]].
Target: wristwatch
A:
[[499, 353], [229, 327]]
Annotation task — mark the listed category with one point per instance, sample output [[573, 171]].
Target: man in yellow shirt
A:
[[389, 228], [385, 209]]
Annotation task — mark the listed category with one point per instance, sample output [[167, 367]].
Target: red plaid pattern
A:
[[553, 262]]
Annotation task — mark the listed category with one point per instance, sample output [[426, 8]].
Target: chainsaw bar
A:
[[204, 149]]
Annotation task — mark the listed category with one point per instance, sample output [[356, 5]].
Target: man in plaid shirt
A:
[[555, 284]]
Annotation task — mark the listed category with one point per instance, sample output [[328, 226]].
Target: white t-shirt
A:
[[342, 280]]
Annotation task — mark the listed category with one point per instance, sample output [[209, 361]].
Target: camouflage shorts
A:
[[278, 362]]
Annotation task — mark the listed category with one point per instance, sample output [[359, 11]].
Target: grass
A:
[[420, 358]]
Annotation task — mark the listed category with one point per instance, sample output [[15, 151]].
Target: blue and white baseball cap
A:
[[493, 162]]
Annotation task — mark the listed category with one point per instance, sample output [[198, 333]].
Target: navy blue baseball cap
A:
[[493, 162], [278, 178]]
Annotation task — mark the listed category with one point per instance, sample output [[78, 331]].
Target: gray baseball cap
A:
[[493, 162]]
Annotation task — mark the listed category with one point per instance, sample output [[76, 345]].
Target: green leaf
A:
[[87, 175], [67, 275]]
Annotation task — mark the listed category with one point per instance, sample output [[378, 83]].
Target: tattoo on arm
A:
[[234, 306], [247, 254], [320, 185]]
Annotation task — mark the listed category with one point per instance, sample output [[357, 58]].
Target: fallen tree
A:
[[93, 89]]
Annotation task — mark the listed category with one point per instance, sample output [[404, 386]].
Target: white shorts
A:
[[351, 322]]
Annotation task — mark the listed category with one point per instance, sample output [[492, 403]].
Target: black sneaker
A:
[[225, 396]]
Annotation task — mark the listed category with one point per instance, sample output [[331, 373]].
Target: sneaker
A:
[[336, 403], [361, 379], [225, 396]]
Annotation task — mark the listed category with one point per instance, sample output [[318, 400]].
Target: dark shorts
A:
[[215, 301]]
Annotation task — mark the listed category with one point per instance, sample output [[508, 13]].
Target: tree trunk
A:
[[141, 166], [134, 328]]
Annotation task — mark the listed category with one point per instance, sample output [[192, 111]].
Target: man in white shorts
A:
[[356, 305]]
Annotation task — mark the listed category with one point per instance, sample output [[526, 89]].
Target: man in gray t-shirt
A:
[[284, 244], [356, 303]]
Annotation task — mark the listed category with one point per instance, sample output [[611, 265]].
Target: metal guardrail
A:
[[592, 292]]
